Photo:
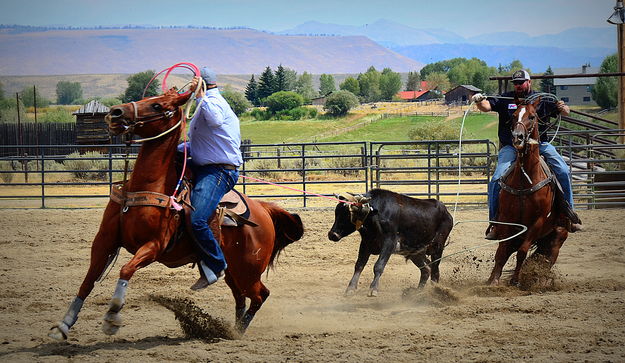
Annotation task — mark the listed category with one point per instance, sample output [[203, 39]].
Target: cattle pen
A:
[[49, 176]]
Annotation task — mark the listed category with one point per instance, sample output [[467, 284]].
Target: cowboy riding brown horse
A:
[[148, 223], [530, 197]]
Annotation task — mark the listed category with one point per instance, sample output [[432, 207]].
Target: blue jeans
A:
[[507, 156], [211, 183]]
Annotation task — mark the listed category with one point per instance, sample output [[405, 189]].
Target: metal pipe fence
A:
[[302, 171]]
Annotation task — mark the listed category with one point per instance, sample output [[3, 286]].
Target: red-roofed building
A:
[[423, 93], [418, 95]]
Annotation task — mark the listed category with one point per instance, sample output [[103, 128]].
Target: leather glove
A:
[[478, 97]]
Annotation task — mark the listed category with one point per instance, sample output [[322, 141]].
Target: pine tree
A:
[[251, 92], [281, 81], [414, 81], [546, 84], [266, 84], [326, 84]]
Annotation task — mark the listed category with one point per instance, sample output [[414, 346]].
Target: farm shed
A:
[[91, 129], [320, 101], [461, 94]]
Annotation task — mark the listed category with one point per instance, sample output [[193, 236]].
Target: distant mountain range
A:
[[393, 34], [570, 48], [314, 47], [227, 51]]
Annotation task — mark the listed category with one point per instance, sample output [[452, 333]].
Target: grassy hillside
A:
[[360, 128], [101, 85]]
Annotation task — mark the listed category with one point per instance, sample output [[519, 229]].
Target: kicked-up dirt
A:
[[576, 314]]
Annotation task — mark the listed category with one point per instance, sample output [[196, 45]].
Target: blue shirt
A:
[[506, 107], [214, 132]]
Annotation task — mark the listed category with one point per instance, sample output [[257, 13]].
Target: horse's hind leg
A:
[[144, 256], [561, 235], [239, 298], [104, 245], [257, 294]]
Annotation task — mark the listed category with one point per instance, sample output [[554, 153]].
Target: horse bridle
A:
[[137, 121], [526, 138]]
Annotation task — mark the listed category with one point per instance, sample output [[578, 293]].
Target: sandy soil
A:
[[45, 253]]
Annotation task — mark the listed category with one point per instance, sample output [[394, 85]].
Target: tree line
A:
[[370, 86]]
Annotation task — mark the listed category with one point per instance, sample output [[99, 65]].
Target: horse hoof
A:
[[57, 334], [111, 324], [350, 292], [373, 293], [494, 282]]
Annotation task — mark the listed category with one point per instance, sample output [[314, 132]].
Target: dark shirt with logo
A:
[[506, 107]]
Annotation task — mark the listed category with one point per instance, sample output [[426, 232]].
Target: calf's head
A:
[[349, 215]]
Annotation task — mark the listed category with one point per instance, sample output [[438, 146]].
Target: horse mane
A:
[[288, 226]]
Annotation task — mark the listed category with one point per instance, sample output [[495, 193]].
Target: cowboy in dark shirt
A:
[[505, 107]]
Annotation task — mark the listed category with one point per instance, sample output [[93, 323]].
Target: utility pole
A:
[[621, 82], [618, 18]]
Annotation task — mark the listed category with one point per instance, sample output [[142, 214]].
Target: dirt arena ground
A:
[[44, 255]]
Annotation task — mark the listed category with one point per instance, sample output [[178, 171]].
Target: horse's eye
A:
[[157, 107], [532, 118]]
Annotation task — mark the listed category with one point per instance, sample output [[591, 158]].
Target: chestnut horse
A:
[[527, 197], [148, 231]]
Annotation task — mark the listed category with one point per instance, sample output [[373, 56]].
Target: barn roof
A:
[[468, 87], [92, 107], [411, 95]]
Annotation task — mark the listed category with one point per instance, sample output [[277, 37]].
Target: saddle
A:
[[232, 210], [560, 203]]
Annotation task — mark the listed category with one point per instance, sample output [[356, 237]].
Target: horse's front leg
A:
[[521, 254], [504, 251], [105, 245], [145, 255]]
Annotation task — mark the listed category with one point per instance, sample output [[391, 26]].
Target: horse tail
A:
[[288, 226]]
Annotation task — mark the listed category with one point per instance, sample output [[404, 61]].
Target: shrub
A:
[[260, 115], [283, 100], [58, 114], [340, 102], [435, 130], [237, 101], [87, 166], [6, 166], [342, 165], [111, 101], [262, 164]]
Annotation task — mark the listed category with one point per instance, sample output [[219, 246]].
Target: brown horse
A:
[[148, 231], [527, 197]]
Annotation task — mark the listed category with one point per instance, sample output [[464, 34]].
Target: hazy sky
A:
[[466, 17]]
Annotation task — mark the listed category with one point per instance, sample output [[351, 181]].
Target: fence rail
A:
[[300, 172]]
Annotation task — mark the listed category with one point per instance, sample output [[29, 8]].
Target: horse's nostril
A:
[[117, 112]]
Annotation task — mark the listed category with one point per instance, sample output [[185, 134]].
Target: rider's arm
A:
[[483, 106], [563, 108], [481, 102]]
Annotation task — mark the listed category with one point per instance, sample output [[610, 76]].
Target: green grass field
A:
[[477, 126]]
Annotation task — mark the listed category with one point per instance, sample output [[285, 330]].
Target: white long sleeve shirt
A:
[[214, 132]]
